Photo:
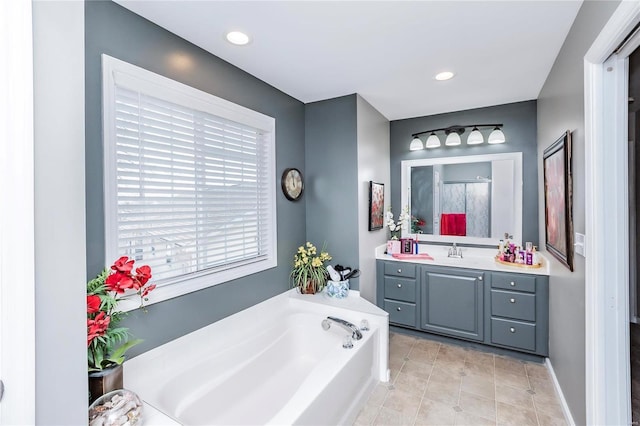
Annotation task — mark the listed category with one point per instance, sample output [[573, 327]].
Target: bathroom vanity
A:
[[472, 298]]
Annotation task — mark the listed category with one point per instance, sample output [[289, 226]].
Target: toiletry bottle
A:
[[535, 259]]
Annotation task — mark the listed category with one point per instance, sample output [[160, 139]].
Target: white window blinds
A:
[[193, 190]]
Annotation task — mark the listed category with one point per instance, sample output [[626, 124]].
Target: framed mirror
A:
[[473, 199]]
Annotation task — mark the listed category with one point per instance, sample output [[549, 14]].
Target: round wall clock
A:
[[292, 184]]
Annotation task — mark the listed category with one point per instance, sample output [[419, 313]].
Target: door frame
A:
[[608, 389], [17, 270]]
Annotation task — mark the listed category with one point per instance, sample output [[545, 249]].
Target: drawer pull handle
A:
[[399, 308], [512, 329], [512, 300], [399, 271], [399, 285], [513, 284], [480, 278]]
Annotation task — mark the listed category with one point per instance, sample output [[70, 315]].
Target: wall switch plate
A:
[[580, 244]]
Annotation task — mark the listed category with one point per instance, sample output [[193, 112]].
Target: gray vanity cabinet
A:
[[398, 292], [505, 309], [452, 302], [520, 312]]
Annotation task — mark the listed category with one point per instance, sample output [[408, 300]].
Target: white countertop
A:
[[472, 258]]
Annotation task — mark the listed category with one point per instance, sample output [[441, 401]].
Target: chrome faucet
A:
[[455, 251], [355, 331]]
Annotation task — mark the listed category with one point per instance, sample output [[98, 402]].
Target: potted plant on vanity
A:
[[395, 229], [309, 274], [106, 341]]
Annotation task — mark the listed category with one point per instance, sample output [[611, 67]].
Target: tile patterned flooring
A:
[[435, 383]]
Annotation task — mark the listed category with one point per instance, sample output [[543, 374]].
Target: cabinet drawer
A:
[[400, 289], [512, 304], [400, 269], [400, 312], [514, 334], [517, 282]]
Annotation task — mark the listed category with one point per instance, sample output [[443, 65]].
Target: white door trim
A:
[[17, 274], [607, 283]]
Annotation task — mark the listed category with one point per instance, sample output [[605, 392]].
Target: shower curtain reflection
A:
[[472, 199]]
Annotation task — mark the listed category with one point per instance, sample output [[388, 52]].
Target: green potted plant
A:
[[107, 342], [309, 274]]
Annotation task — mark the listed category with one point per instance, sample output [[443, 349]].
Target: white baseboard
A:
[[565, 407]]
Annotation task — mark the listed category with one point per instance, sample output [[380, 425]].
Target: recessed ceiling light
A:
[[237, 38], [446, 75]]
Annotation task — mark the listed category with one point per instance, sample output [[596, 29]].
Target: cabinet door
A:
[[453, 303]]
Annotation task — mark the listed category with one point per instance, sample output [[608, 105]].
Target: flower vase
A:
[[104, 381], [311, 287]]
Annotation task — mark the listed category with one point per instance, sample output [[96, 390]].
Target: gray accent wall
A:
[[59, 222], [561, 108], [519, 121], [114, 30], [331, 178]]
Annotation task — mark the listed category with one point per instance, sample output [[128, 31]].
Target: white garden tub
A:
[[270, 364]]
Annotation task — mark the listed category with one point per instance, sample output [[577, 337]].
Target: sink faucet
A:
[[355, 331], [455, 251]]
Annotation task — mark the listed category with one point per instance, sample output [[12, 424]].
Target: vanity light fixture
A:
[[453, 136]]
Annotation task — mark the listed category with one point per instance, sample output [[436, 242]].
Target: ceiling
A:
[[386, 51]]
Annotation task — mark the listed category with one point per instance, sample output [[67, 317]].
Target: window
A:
[[189, 181]]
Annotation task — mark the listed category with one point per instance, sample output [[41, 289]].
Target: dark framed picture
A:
[[558, 187], [376, 205], [406, 245]]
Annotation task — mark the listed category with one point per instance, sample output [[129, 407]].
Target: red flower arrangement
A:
[[103, 333]]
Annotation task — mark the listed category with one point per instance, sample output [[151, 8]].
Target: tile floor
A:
[[435, 383]]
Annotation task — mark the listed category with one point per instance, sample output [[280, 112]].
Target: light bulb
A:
[[433, 141], [496, 136], [453, 139], [475, 137], [416, 144], [238, 38]]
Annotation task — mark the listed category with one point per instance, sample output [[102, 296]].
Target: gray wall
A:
[[373, 165], [519, 121], [331, 178], [113, 30], [561, 107], [60, 286]]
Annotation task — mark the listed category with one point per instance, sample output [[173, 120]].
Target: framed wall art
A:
[[376, 205], [558, 187]]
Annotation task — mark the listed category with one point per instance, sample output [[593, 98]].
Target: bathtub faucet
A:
[[355, 331]]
